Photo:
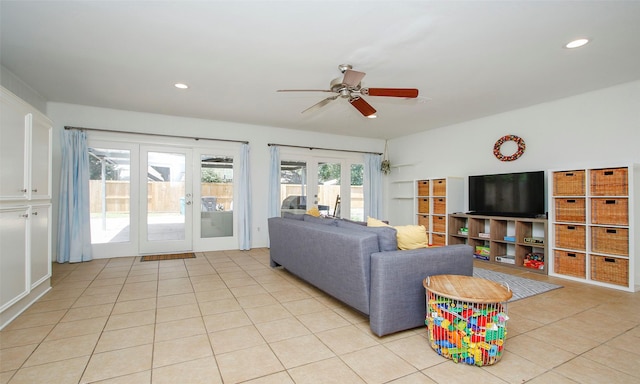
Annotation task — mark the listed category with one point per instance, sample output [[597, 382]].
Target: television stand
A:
[[516, 242]]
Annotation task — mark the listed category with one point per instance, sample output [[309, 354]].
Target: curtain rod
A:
[[326, 149], [155, 134]]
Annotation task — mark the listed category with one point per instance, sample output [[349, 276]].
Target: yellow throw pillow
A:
[[314, 212], [371, 222], [412, 236]]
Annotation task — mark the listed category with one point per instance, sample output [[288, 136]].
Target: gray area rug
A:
[[520, 286]]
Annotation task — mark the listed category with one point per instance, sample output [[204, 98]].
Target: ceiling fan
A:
[[349, 87]]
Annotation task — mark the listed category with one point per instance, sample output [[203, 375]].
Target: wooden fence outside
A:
[[166, 196]]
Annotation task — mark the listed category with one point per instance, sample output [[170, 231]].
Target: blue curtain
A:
[[273, 205], [372, 186], [244, 206], [74, 228]]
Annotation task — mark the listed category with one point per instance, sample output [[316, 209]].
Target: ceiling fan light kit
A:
[[350, 87]]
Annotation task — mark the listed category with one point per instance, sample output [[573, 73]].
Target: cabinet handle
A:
[[34, 213], [571, 227], [34, 190], [23, 190], [609, 201], [608, 173], [571, 201], [612, 231], [571, 255], [569, 174], [609, 260], [25, 215]]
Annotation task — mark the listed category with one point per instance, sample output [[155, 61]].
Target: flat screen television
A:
[[508, 194]]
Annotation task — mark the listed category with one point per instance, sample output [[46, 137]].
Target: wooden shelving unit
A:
[[434, 199], [594, 225], [509, 241]]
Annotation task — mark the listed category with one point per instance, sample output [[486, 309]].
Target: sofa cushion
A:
[[319, 220], [387, 236], [292, 216], [411, 236]]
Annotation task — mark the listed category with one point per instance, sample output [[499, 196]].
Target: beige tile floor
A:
[[226, 317]]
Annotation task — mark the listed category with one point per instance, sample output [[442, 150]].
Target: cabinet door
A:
[[12, 148], [13, 259], [40, 156], [40, 244]]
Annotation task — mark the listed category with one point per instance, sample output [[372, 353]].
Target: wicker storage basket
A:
[[440, 206], [424, 220], [570, 210], [569, 183], [570, 263], [614, 241], [440, 224], [423, 205], [610, 211], [438, 239], [440, 187], [571, 236], [466, 318], [609, 182], [423, 187], [611, 270]]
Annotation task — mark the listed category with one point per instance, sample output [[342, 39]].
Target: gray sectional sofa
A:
[[362, 267]]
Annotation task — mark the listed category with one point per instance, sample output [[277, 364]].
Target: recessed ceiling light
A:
[[576, 43], [181, 85]]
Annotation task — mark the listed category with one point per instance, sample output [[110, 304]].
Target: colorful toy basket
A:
[[466, 318]]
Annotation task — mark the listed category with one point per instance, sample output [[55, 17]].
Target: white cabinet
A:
[[25, 151], [40, 243], [25, 205], [14, 283], [13, 139], [39, 156]]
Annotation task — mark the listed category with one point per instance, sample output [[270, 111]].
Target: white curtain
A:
[[273, 207], [372, 185], [74, 227], [244, 206]]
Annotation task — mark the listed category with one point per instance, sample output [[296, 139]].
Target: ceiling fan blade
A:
[[391, 92], [321, 103], [363, 107], [304, 90], [352, 78]]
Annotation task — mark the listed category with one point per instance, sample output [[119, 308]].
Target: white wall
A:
[[594, 128], [258, 136]]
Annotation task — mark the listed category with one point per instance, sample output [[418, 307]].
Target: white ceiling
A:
[[469, 59]]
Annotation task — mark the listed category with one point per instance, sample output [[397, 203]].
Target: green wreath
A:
[[502, 140]]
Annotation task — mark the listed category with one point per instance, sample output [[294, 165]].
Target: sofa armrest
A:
[[397, 295]]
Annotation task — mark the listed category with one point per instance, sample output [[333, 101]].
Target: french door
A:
[[159, 198], [332, 185], [166, 199]]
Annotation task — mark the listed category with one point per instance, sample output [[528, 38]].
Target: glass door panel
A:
[[165, 185], [110, 195], [216, 191], [293, 186], [356, 202], [328, 193]]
